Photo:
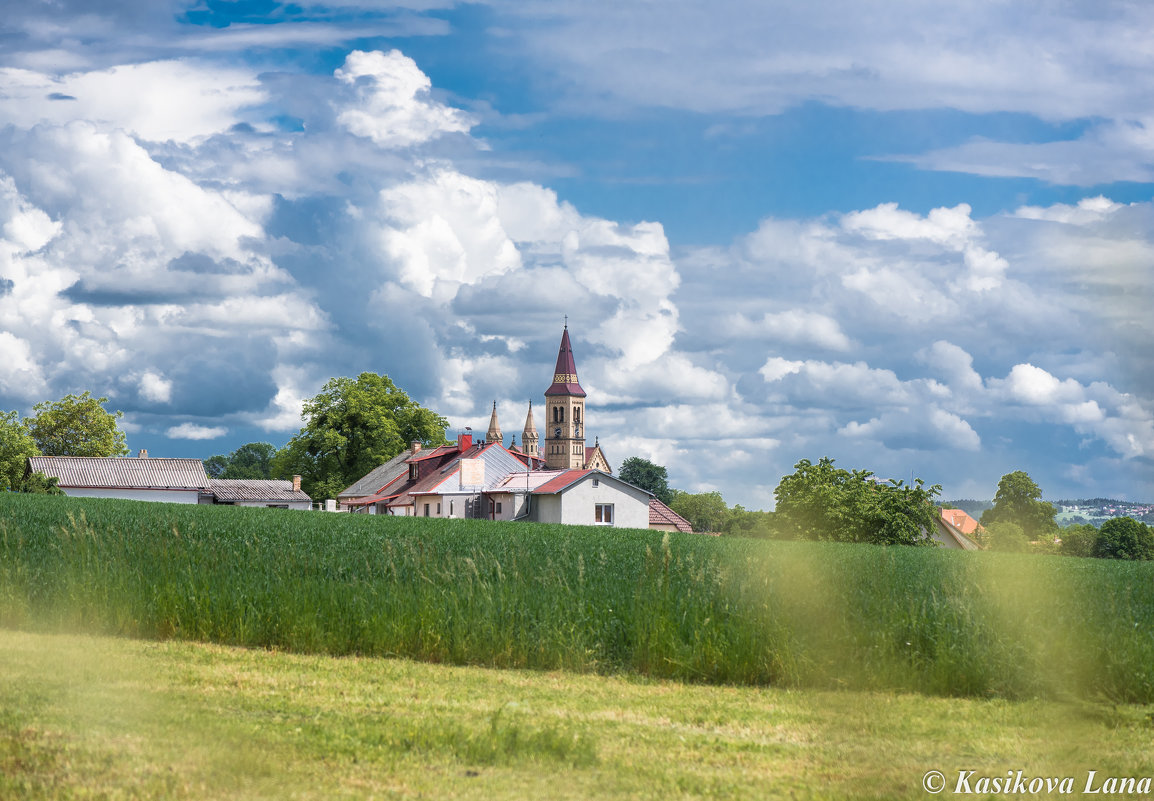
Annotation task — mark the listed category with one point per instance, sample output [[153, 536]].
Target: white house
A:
[[575, 497]]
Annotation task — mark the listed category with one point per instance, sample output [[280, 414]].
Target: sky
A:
[[917, 238]]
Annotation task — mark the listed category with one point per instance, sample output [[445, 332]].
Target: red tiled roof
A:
[[563, 480], [440, 450], [662, 515], [960, 520], [565, 375]]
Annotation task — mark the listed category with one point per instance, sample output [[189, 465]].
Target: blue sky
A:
[[915, 238]]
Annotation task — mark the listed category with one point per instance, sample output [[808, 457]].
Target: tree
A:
[[76, 425], [647, 475], [16, 445], [1124, 538], [1005, 536], [1079, 540], [705, 511], [253, 460], [823, 502], [743, 522], [1019, 501], [351, 427]]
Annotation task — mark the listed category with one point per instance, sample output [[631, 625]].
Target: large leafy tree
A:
[[647, 475], [1124, 538], [253, 460], [351, 427], [16, 445], [76, 425], [824, 502], [1019, 501]]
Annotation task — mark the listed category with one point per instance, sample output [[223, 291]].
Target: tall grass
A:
[[586, 599]]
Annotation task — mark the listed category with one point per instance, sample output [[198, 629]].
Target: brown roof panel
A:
[[256, 490]]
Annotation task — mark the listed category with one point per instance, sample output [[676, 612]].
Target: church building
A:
[[564, 446]]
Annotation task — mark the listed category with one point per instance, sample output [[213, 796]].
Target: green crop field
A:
[[693, 608]]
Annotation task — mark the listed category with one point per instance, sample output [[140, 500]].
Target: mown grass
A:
[[583, 599], [86, 717]]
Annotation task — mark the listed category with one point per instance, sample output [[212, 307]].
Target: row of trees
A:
[[75, 425], [823, 502], [818, 502]]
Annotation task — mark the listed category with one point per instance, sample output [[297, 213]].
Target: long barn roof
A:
[[122, 472]]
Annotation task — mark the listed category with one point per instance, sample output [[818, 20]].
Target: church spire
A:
[[564, 413], [565, 374], [494, 433], [529, 436]]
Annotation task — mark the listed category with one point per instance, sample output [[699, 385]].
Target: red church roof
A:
[[565, 375]]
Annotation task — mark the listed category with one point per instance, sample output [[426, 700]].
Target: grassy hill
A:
[[701, 609]]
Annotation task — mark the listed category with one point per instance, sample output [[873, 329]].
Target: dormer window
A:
[[413, 472]]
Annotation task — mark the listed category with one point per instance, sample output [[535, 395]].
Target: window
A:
[[498, 507], [603, 514], [412, 472], [450, 508], [596, 482], [438, 510], [426, 510], [576, 414]]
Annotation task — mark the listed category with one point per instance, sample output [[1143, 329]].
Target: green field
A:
[[109, 718], [698, 609]]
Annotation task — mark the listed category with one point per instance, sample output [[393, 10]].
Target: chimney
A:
[[143, 454], [414, 446], [464, 442], [296, 483]]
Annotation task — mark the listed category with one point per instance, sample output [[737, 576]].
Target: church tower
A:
[[565, 413], [529, 437], [494, 433]]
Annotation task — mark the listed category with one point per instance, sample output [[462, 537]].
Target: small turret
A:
[[529, 438], [494, 432]]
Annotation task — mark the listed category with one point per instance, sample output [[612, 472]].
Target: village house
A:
[[577, 497], [163, 479], [558, 479]]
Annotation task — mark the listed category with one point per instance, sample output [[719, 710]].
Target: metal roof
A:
[[115, 472], [256, 490], [378, 478]]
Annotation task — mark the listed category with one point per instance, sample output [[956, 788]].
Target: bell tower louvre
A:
[[565, 413]]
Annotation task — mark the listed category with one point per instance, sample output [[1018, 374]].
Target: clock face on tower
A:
[[557, 432], [576, 431]]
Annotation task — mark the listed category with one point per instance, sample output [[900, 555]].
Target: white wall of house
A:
[[578, 503], [512, 504], [164, 496], [548, 509]]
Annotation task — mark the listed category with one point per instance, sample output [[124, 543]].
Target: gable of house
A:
[[662, 518]]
